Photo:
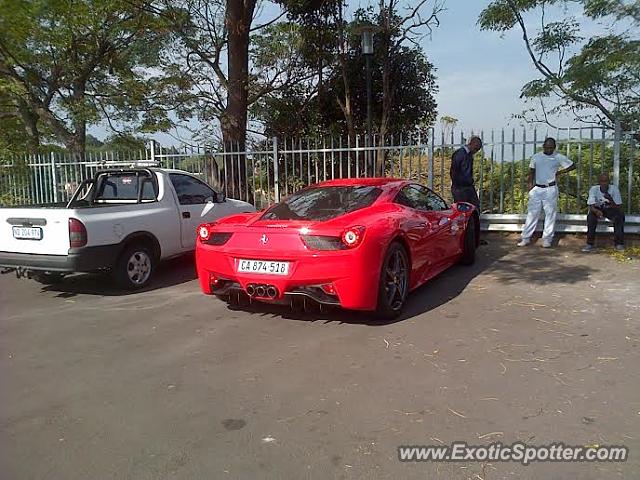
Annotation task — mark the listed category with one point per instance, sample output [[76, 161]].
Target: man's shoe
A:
[[524, 242], [546, 244], [588, 248], [620, 248]]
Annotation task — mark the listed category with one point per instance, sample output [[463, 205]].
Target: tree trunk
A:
[[30, 121], [386, 92], [77, 142], [238, 17], [347, 111], [345, 103], [384, 117]]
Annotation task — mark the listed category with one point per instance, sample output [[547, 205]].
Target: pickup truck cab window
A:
[[123, 187], [191, 191]]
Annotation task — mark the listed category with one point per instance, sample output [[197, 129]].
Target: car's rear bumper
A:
[[353, 274], [87, 259]]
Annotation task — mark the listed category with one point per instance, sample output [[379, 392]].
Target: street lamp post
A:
[[367, 32]]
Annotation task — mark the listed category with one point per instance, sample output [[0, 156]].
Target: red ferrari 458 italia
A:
[[360, 244]]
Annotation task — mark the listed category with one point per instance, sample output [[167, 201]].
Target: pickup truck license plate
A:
[[27, 233], [266, 267]]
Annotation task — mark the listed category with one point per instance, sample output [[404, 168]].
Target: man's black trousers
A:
[[616, 216]]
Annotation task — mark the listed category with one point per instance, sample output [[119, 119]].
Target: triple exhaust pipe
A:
[[262, 291]]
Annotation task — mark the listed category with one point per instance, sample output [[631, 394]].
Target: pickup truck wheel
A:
[[135, 267], [48, 278]]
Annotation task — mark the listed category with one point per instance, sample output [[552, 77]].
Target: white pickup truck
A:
[[122, 220]]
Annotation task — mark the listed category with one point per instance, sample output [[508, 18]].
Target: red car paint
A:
[[433, 240]]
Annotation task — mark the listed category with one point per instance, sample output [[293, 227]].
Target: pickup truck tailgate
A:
[[42, 231]]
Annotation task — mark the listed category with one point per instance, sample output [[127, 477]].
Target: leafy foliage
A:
[[303, 110], [597, 80], [65, 68]]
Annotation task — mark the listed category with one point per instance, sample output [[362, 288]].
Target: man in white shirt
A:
[[543, 191], [604, 201]]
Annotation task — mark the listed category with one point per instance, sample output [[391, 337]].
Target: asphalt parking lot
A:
[[528, 344]]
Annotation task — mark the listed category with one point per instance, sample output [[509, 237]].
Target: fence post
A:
[[152, 150], [276, 173], [54, 177], [431, 153], [617, 138]]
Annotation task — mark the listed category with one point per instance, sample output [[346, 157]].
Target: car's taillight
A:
[[352, 237], [212, 238], [77, 233], [203, 232]]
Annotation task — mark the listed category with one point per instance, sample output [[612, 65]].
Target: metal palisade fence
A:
[[274, 168]]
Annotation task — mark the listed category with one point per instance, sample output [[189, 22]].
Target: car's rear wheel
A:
[[469, 243], [394, 282], [135, 267]]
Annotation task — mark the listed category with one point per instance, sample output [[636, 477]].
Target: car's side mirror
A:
[[462, 206], [220, 197]]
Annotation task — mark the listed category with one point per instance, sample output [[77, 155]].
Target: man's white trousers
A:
[[541, 199]]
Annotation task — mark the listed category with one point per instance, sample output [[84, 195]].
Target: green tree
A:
[[597, 79], [231, 63], [14, 140], [70, 65], [403, 82]]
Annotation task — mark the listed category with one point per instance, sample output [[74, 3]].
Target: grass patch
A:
[[629, 254]]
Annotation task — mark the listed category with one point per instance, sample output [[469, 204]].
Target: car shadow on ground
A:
[[506, 263], [434, 293], [170, 273]]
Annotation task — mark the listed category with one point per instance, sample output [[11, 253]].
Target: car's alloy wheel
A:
[[394, 282], [139, 267], [135, 267]]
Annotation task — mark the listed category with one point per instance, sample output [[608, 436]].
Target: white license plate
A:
[[266, 267], [27, 233]]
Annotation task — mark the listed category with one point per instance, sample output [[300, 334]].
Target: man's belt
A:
[[552, 184]]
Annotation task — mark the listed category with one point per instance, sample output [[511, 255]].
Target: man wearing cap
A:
[[543, 191]]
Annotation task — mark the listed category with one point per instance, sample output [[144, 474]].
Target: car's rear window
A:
[[123, 186], [323, 203]]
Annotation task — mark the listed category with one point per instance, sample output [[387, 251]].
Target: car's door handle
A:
[[186, 214], [444, 221]]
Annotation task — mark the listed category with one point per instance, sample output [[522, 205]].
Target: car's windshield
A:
[[323, 203]]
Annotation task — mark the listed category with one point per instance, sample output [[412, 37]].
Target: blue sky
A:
[[479, 73]]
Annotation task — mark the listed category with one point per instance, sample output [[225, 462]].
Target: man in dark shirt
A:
[[461, 172]]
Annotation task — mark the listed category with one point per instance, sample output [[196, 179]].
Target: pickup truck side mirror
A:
[[220, 197]]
